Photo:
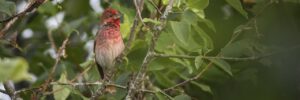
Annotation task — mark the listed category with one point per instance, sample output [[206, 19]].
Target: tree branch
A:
[[60, 53], [137, 82], [132, 32], [3, 91], [191, 79], [10, 89], [151, 1], [11, 20], [90, 84], [139, 7]]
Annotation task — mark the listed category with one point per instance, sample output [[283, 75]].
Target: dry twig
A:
[[11, 20]]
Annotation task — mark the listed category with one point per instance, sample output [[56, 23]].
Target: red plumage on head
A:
[[109, 16], [110, 10]]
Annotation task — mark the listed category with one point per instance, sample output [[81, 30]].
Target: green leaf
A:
[[151, 21], [199, 13], [76, 23], [163, 79], [205, 39], [175, 16], [7, 7], [209, 24], [243, 47], [86, 63], [237, 49], [149, 6], [203, 87], [15, 69], [61, 92], [165, 43], [71, 27], [126, 25], [182, 97], [236, 4], [160, 96], [48, 8], [198, 4], [190, 16], [165, 2], [158, 65], [198, 61], [222, 65], [181, 31]]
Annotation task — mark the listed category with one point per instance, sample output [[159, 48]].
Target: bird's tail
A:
[[100, 70]]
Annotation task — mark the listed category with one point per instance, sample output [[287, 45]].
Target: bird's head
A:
[[110, 16]]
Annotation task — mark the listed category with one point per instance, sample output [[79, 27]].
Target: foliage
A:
[[225, 49]]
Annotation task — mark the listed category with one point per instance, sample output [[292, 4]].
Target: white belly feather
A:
[[106, 53]]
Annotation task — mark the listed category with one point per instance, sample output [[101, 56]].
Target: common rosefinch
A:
[[108, 43]]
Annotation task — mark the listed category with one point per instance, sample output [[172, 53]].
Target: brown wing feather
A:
[[100, 70]]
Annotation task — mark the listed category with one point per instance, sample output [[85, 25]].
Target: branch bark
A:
[[60, 53], [85, 84], [10, 89], [137, 82]]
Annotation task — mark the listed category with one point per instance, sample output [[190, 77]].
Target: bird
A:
[[108, 44]]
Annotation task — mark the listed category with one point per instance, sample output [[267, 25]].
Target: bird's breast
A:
[[107, 51]]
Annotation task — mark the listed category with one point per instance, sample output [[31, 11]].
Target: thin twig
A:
[[76, 84], [83, 72], [91, 84], [10, 89], [130, 39], [3, 91], [11, 20], [191, 79], [60, 53], [25, 90], [207, 57], [256, 29], [168, 96], [154, 5], [131, 36], [6, 27], [150, 53], [32, 5], [50, 37], [139, 8]]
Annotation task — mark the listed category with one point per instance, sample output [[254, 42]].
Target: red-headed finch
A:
[[108, 43]]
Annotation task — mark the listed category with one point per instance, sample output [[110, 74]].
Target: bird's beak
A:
[[117, 16]]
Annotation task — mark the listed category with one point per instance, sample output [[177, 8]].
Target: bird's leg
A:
[[109, 88]]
